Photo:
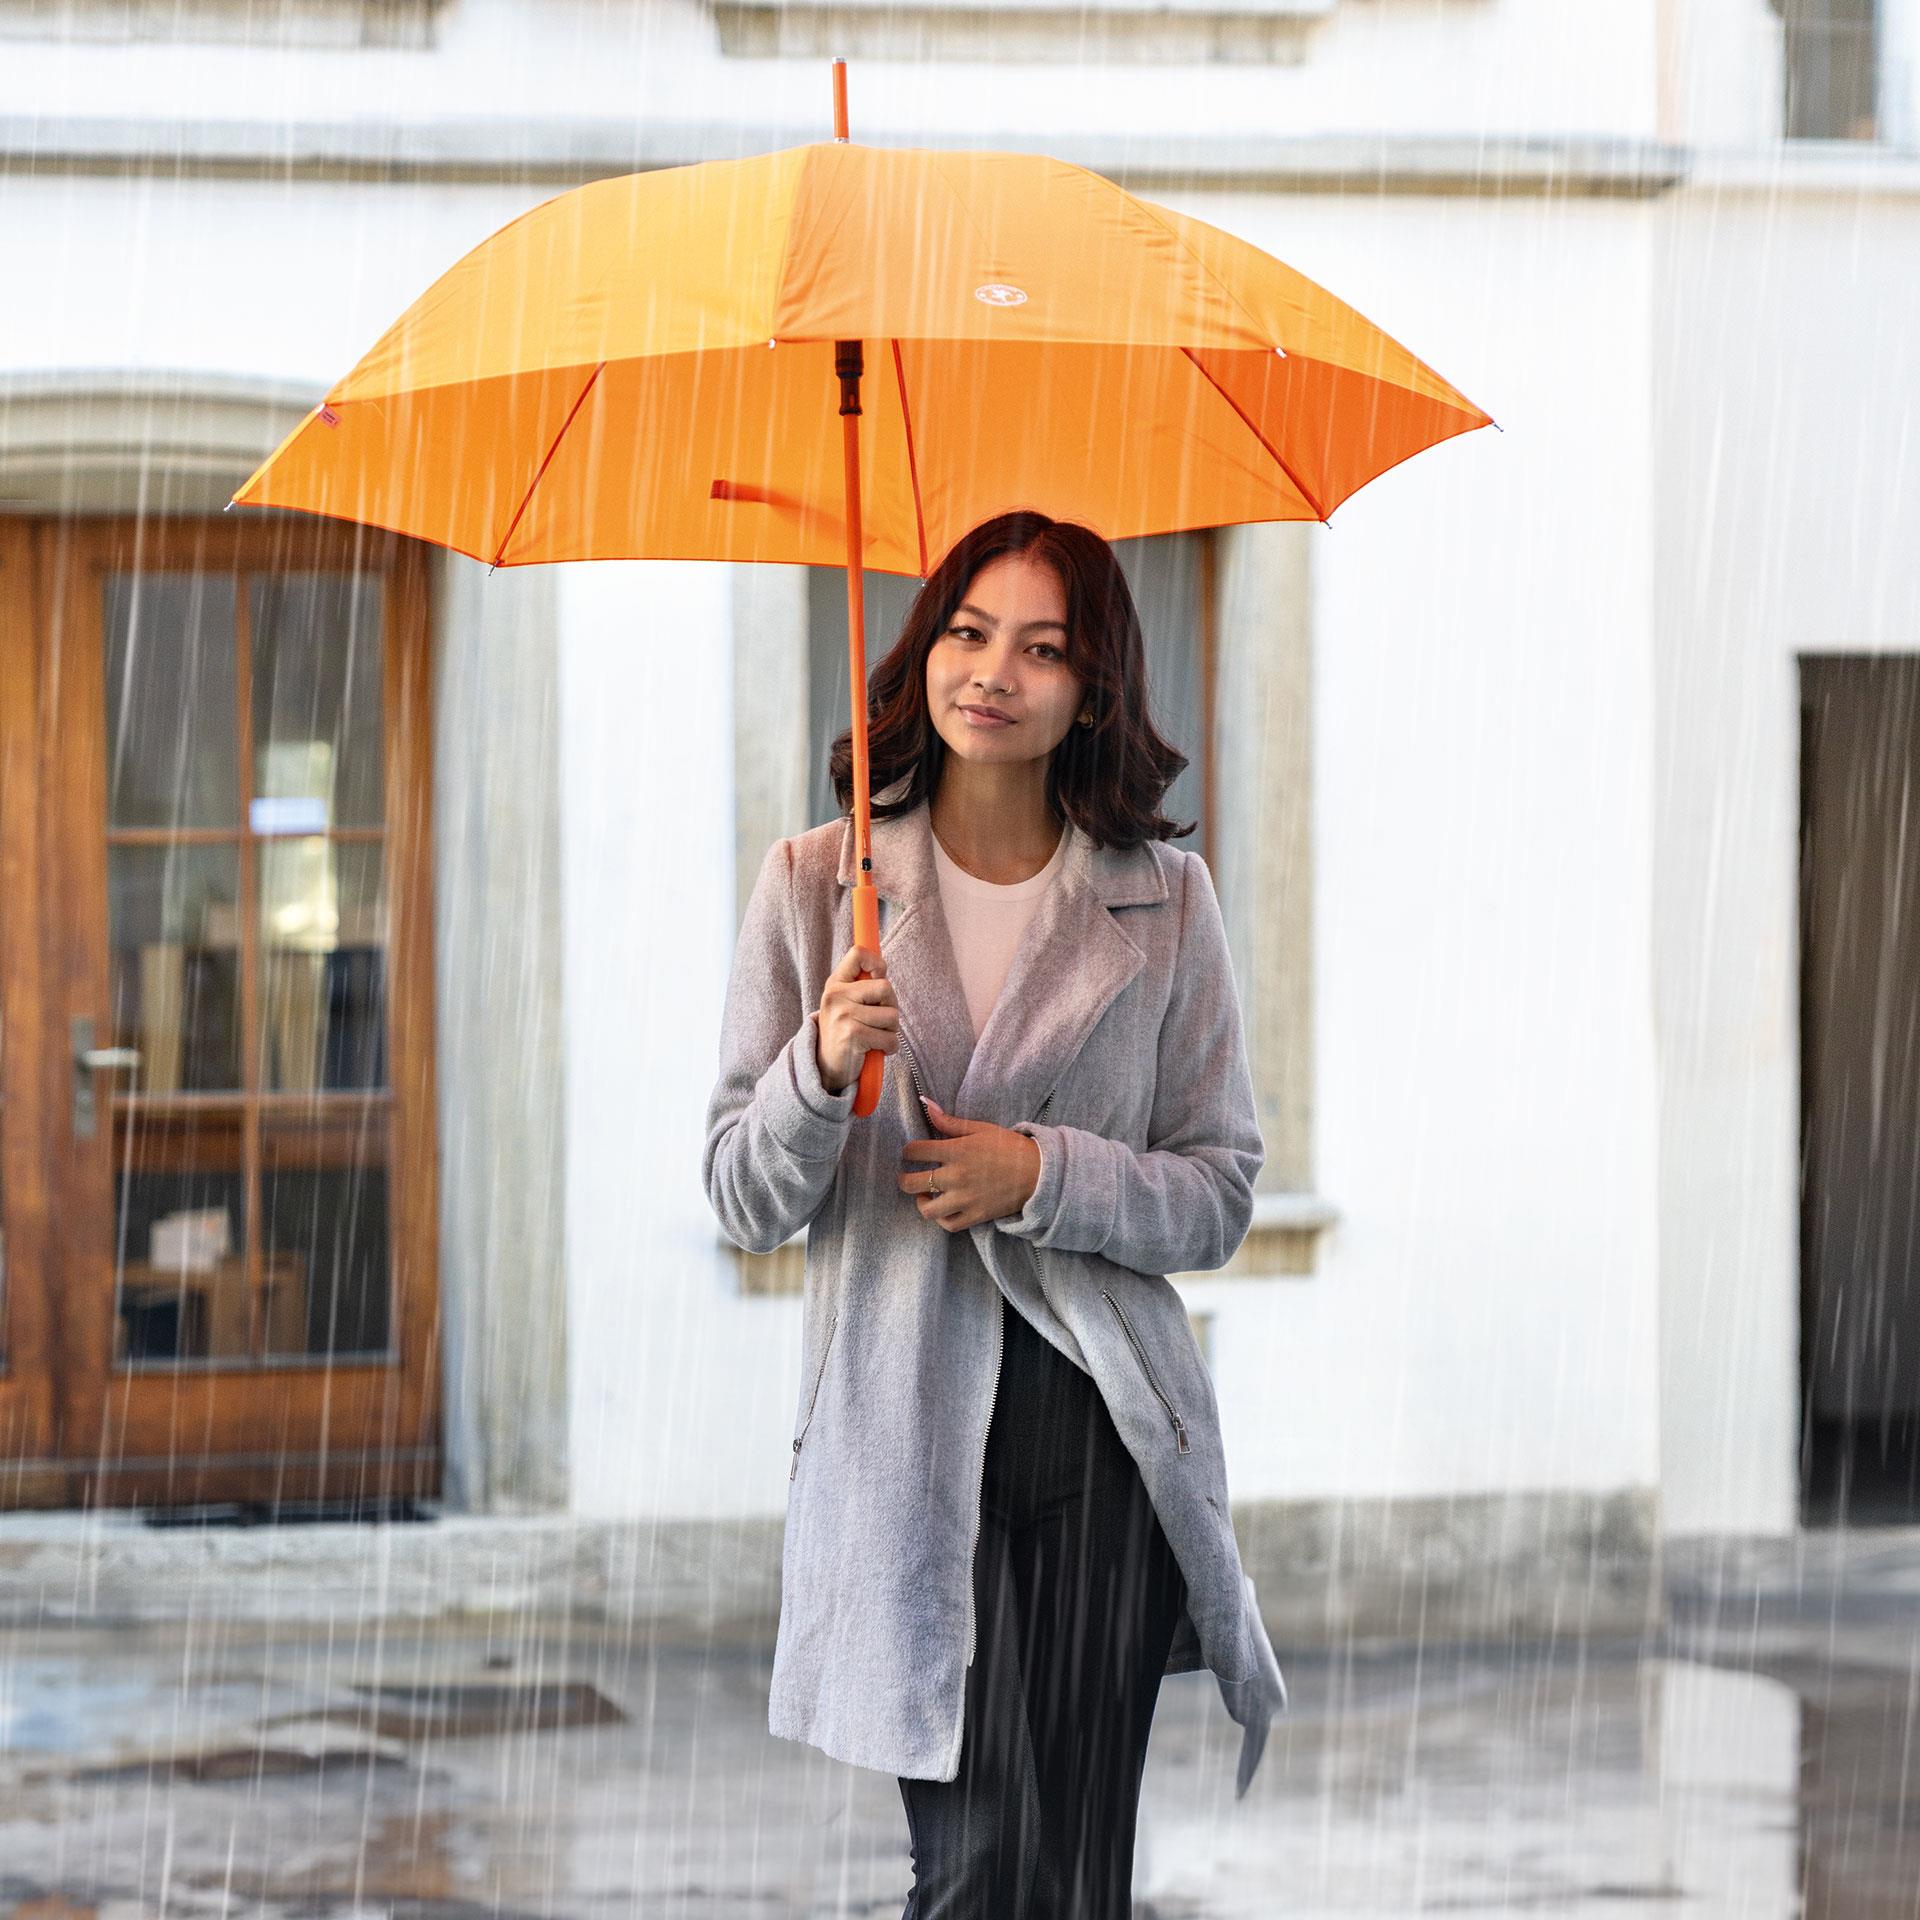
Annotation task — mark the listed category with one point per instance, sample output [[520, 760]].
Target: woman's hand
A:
[[983, 1172], [857, 1017]]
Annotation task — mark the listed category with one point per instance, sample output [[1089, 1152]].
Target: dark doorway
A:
[[1860, 1089]]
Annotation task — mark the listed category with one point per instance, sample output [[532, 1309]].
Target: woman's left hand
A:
[[983, 1172]]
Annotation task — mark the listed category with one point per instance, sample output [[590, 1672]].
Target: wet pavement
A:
[[1755, 1757]]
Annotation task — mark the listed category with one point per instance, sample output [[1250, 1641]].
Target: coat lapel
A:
[[1072, 961]]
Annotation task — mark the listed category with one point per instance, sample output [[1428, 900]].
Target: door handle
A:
[[87, 1060]]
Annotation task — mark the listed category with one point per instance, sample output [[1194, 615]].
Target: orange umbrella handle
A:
[[866, 933]]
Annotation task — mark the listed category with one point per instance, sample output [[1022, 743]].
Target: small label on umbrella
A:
[[997, 293], [328, 415]]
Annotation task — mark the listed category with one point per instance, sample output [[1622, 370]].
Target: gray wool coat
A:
[[1116, 1046]]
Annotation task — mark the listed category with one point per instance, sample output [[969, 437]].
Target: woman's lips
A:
[[975, 718]]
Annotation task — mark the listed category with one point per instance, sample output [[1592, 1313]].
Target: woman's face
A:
[[1005, 648]]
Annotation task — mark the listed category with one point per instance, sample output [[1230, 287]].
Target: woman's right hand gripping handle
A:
[[858, 1016]]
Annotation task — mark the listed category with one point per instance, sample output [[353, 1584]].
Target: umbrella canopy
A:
[[643, 367]]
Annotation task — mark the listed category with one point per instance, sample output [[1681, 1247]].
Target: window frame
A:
[[1257, 791]]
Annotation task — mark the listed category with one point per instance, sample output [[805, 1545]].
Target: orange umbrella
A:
[[642, 368]]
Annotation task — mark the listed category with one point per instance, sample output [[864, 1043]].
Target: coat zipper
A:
[[906, 1047], [1146, 1367], [819, 1375]]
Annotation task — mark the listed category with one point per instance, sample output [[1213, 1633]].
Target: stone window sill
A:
[[1285, 1231], [1283, 1239]]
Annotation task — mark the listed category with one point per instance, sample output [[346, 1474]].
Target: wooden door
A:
[[29, 1474], [234, 1015]]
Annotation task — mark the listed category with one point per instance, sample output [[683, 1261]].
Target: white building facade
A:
[[1501, 775]]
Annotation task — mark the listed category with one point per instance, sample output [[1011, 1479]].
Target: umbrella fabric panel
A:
[[719, 458], [737, 456], [673, 261], [1306, 320], [848, 242], [909, 244], [1331, 429], [450, 464], [733, 456], [818, 243]]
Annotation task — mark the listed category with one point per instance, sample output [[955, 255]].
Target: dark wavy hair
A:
[[1109, 778]]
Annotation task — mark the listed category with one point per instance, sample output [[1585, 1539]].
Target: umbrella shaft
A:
[[848, 362]]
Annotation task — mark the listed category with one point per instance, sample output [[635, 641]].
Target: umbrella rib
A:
[[548, 461], [913, 469], [1186, 246], [1299, 484]]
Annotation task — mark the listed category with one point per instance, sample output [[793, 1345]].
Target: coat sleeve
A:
[[774, 1133], [1184, 1205]]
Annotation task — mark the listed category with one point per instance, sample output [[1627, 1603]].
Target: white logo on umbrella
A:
[[996, 293]]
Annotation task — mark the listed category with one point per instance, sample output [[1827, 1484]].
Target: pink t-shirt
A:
[[986, 922]]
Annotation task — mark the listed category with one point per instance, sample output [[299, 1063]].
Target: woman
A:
[[1007, 1512]]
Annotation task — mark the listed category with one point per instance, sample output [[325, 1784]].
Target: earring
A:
[[1086, 719]]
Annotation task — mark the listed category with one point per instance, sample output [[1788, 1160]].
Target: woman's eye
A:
[[974, 633]]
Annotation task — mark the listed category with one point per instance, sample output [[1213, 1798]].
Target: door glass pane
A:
[[323, 937], [323, 1208], [171, 705], [316, 701], [180, 1241], [173, 961]]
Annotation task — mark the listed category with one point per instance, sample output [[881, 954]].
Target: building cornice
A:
[[559, 153], [1807, 168], [563, 152]]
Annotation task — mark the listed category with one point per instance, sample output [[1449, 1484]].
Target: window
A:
[[1168, 576], [1227, 615], [1831, 68]]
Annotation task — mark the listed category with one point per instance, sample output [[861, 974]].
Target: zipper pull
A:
[[1180, 1432], [795, 1468]]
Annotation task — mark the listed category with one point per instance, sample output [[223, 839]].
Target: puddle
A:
[[470, 1709], [292, 1747]]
